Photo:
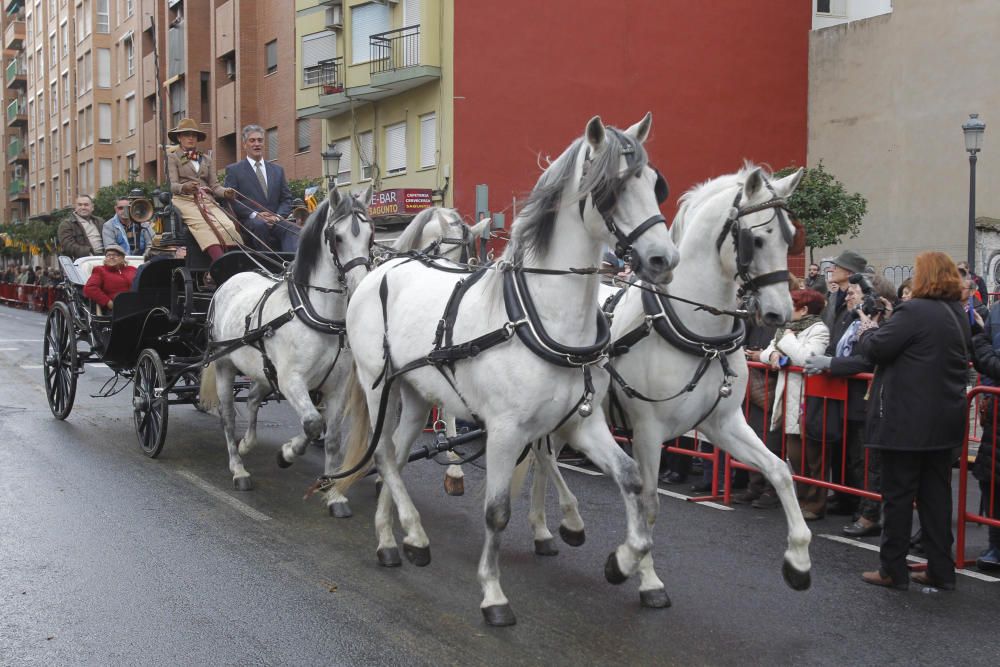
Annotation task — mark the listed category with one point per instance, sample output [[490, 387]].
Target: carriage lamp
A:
[[973, 129], [331, 164]]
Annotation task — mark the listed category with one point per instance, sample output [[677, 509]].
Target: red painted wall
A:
[[725, 81]]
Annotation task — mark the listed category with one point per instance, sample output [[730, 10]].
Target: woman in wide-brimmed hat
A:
[[193, 182]]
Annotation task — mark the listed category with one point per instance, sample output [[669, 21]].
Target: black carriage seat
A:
[[153, 280]]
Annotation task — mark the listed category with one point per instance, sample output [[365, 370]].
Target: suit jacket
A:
[[241, 177], [182, 172]]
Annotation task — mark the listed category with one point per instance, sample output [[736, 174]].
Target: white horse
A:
[[305, 357], [600, 190], [734, 237], [450, 239]]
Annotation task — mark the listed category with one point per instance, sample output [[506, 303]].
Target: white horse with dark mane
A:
[[600, 190], [305, 358], [677, 367]]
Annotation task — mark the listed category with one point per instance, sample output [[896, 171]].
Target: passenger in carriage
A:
[[194, 182], [111, 279]]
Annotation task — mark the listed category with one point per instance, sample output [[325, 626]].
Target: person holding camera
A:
[[922, 355], [122, 231]]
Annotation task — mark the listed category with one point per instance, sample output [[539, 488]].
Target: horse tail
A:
[[208, 392], [356, 408]]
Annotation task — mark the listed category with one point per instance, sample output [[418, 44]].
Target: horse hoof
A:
[[499, 615], [798, 581], [612, 572], [546, 547], [574, 538], [656, 598], [419, 556], [282, 463], [243, 483], [389, 557], [454, 486], [340, 510]]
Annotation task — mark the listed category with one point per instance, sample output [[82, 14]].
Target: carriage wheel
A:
[[149, 405], [59, 361]]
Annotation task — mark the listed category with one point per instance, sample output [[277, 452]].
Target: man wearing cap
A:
[[110, 279], [80, 235]]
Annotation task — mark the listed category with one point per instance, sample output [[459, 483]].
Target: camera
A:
[[870, 303]]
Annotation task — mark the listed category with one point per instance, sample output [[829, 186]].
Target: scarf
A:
[[192, 155], [845, 346], [798, 326]]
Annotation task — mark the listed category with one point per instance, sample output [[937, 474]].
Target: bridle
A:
[[465, 243], [329, 234], [606, 199]]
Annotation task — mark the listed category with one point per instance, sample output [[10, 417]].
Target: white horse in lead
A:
[[733, 236], [600, 190]]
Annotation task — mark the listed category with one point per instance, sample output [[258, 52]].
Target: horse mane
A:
[[311, 241], [532, 232], [695, 197], [410, 237]]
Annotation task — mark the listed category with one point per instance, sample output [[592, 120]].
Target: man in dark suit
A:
[[266, 226]]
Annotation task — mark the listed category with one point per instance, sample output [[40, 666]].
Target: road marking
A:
[[20, 340], [915, 559], [592, 473], [663, 492], [31, 367], [9, 349], [224, 497]]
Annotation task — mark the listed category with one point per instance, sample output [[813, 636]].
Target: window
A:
[[271, 143], [395, 149], [83, 73], [367, 20], [303, 134], [130, 166], [41, 190], [104, 123], [178, 106], [344, 175], [365, 154], [55, 147], [129, 57], [67, 146], [175, 50], [271, 56], [428, 140], [103, 68], [42, 155], [68, 182], [65, 38], [822, 6], [53, 48], [317, 47], [130, 114], [84, 21], [103, 16], [54, 95], [56, 193], [105, 172]]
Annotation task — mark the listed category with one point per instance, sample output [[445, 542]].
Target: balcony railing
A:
[[15, 68], [16, 187], [14, 148], [326, 73], [15, 109], [395, 49]]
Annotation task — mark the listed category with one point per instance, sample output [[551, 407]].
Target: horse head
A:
[[621, 200], [340, 225]]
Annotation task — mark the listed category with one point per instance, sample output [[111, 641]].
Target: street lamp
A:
[[973, 129], [331, 165]]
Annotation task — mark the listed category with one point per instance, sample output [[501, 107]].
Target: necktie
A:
[[260, 178]]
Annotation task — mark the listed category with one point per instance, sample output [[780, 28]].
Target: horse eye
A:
[[338, 239], [758, 242]]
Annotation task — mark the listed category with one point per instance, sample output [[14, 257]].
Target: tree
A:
[[106, 197], [298, 187], [824, 207]]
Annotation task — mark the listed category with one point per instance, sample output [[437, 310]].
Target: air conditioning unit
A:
[[335, 17]]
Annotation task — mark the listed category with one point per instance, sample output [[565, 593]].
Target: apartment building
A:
[[14, 193]]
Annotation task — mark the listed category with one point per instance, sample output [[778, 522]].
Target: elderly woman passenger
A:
[[111, 279]]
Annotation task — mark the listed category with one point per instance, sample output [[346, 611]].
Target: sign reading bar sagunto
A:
[[399, 202]]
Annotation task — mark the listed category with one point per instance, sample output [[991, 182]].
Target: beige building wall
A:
[[887, 98]]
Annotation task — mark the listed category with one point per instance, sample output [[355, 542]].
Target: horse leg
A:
[[646, 446], [295, 390], [544, 542], [454, 478], [592, 437], [412, 418], [731, 432], [225, 374], [503, 448], [258, 392], [571, 529], [336, 502]]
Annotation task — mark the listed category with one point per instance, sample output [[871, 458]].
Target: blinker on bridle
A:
[[330, 235]]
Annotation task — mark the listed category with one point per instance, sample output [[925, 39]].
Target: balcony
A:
[[13, 6], [326, 73], [17, 151], [13, 36], [17, 189], [17, 113], [17, 74]]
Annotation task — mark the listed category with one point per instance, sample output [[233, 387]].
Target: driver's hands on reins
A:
[[189, 188], [229, 193]]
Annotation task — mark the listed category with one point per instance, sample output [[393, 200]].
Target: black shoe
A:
[[858, 529], [701, 487], [747, 497], [673, 477], [767, 501]]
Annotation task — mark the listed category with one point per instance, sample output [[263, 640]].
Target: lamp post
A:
[[331, 165], [973, 129]]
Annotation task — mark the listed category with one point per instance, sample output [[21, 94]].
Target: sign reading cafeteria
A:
[[399, 202]]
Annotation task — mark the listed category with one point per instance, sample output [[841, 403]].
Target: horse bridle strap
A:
[[743, 241], [307, 314]]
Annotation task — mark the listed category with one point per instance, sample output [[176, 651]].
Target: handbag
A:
[[761, 387], [830, 429]]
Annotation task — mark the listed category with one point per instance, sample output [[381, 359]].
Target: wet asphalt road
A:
[[110, 558]]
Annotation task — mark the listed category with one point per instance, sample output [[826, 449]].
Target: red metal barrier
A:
[[32, 297], [964, 515]]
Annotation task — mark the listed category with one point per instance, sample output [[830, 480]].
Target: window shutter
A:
[[303, 134], [344, 146], [395, 148], [103, 68], [319, 46], [367, 20], [428, 140], [105, 172], [104, 123], [411, 12], [272, 144]]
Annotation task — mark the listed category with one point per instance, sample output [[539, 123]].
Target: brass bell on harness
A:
[[726, 390], [586, 406]]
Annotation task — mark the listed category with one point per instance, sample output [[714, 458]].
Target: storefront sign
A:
[[400, 202]]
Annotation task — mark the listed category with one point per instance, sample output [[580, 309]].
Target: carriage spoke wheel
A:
[[59, 361], [149, 402]]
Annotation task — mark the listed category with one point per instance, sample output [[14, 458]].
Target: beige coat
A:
[[219, 225], [789, 392]]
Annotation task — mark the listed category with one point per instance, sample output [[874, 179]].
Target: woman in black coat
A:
[[922, 355], [986, 468]]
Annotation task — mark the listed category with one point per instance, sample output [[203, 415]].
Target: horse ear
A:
[[366, 196], [442, 223], [786, 186], [333, 198], [595, 134], [477, 229], [640, 131], [753, 184]]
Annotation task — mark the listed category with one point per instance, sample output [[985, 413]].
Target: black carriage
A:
[[155, 336]]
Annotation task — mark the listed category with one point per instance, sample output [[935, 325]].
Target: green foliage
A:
[[824, 207], [298, 187], [104, 200]]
